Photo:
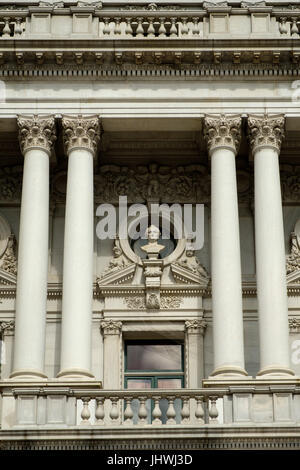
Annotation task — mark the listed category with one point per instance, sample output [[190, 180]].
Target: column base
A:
[[232, 372], [78, 374], [26, 374], [275, 371]]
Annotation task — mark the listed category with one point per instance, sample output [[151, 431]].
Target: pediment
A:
[[7, 278], [117, 276], [182, 274], [293, 277]]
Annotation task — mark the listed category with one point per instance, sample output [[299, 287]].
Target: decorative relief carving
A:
[[195, 326], [188, 268], [81, 132], [166, 302], [222, 131], [294, 325], [11, 183], [8, 261], [111, 327], [135, 302], [293, 259], [266, 131], [181, 184], [119, 269], [36, 132]]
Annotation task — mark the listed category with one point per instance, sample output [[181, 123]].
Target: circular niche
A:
[[172, 251]]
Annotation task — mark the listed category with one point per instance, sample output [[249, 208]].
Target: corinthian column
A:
[[81, 137], [266, 134], [36, 135], [112, 331], [223, 136]]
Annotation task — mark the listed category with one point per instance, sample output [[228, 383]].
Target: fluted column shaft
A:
[[81, 136], [266, 134], [36, 137], [223, 137]]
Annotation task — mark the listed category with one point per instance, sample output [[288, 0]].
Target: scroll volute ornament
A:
[[81, 132], [36, 132], [266, 131], [222, 132]]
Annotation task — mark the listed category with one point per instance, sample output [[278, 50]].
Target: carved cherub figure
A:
[[190, 262]]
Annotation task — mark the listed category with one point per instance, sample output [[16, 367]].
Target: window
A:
[[154, 364]]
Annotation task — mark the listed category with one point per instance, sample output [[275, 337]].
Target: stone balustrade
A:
[[149, 22], [74, 407], [159, 407]]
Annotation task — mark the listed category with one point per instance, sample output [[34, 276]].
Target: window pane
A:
[[169, 383], [154, 357], [138, 383]]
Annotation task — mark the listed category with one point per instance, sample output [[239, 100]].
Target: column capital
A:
[[7, 328], [222, 131], [36, 132], [111, 327], [195, 326], [266, 131], [81, 132]]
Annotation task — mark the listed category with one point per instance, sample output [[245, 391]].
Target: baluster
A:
[[162, 29], [195, 28], [143, 414], [156, 412], [184, 27], [171, 413], [294, 28], [6, 29], [128, 28], [185, 410], [106, 29], [151, 30], [199, 412], [282, 26], [173, 29], [99, 414], [128, 413], [85, 413], [213, 412], [117, 30], [114, 412], [18, 26], [140, 29]]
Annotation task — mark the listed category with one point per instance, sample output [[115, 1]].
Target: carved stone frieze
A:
[[36, 132], [195, 326], [266, 131], [81, 132], [111, 327], [222, 132], [166, 302], [181, 184]]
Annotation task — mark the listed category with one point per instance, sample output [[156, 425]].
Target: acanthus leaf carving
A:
[[111, 327], [222, 132], [81, 132], [266, 131], [36, 132]]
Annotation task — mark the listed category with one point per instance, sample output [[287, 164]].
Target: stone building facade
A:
[[105, 343]]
